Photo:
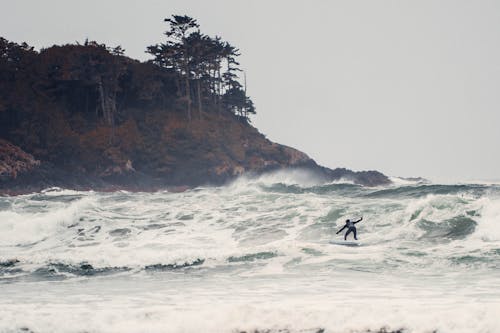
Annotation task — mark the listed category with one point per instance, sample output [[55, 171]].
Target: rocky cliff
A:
[[79, 116]]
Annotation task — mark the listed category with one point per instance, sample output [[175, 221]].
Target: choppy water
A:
[[254, 255]]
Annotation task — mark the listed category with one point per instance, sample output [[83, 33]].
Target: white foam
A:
[[245, 307], [299, 177], [21, 227], [399, 181], [56, 191], [488, 228], [304, 284]]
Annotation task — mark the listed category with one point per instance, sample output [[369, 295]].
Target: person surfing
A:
[[350, 228]]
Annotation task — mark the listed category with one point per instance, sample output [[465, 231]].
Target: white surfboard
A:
[[345, 243]]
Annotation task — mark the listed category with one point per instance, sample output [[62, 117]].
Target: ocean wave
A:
[[337, 188], [458, 227], [146, 229], [175, 266], [25, 225], [252, 256], [418, 191], [62, 270]]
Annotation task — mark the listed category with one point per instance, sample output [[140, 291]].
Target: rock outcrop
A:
[[14, 161]]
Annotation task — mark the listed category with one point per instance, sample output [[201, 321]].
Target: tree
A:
[[236, 100], [180, 29]]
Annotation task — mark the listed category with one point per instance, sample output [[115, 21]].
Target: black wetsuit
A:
[[350, 228]]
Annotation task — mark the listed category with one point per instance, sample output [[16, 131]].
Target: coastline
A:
[[45, 177]]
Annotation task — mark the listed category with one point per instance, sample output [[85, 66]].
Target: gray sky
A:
[[410, 88]]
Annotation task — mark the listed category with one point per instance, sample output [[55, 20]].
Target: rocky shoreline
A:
[[21, 172], [46, 175]]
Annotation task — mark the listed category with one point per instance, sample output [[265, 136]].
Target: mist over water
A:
[[252, 255]]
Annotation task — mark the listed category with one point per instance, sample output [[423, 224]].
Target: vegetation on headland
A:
[[206, 68], [88, 112]]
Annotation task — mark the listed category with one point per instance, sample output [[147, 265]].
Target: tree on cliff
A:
[[206, 67], [236, 101], [177, 51], [199, 63], [16, 75]]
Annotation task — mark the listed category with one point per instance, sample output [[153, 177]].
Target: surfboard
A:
[[345, 243]]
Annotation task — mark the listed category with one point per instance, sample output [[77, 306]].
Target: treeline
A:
[[88, 102], [193, 70], [206, 68]]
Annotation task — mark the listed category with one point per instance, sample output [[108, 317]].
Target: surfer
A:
[[350, 228]]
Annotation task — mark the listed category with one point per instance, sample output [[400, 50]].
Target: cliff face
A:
[[81, 117]]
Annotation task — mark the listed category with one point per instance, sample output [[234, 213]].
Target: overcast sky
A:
[[410, 88]]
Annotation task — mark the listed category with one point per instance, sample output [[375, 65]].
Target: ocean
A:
[[253, 256]]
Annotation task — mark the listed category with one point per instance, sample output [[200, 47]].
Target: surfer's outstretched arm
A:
[[341, 229], [358, 220]]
